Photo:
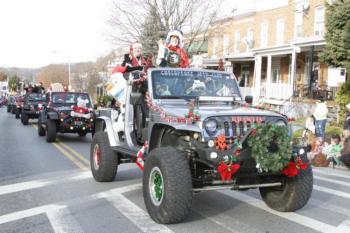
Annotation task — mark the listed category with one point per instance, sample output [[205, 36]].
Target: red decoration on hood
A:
[[80, 110], [293, 168], [220, 142], [227, 170]]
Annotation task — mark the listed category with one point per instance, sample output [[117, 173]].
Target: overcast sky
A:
[[31, 30]]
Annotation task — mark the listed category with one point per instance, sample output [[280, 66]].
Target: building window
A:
[[319, 21], [225, 45], [280, 32], [237, 41], [215, 46], [298, 32], [263, 34], [250, 39]]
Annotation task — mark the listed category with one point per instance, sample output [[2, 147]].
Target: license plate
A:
[[78, 123]]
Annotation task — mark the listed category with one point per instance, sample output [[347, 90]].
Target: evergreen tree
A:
[[152, 31], [337, 49]]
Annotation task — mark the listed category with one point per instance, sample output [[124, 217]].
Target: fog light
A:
[[71, 128], [213, 155], [195, 136], [301, 151], [62, 119], [91, 119], [211, 143], [83, 128]]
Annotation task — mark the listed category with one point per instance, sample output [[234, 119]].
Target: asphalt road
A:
[[49, 188]]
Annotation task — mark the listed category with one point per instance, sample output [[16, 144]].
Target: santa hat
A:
[[176, 33], [134, 46]]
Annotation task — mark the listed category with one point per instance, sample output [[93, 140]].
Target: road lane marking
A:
[[74, 156], [28, 185], [133, 212], [330, 173], [70, 157], [57, 212], [344, 227], [290, 216], [77, 154], [62, 221], [332, 191], [343, 183], [27, 213]]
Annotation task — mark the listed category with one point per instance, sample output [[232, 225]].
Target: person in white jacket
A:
[[320, 115]]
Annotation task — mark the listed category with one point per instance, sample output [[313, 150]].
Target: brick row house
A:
[[274, 50]]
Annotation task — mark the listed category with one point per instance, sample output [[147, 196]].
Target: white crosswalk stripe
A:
[[63, 221]]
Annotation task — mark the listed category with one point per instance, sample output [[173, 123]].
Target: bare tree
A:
[[53, 74], [149, 20]]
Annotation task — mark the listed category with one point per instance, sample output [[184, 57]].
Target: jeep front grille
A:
[[232, 127]]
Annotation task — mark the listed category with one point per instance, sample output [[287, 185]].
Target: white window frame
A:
[[280, 31], [215, 46], [250, 37], [319, 21], [237, 41], [298, 24], [226, 45], [264, 29]]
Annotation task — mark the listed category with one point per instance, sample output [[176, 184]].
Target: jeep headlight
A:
[[281, 123], [211, 126]]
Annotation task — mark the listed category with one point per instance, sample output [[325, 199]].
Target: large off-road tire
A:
[[167, 185], [293, 195], [41, 130], [17, 112], [103, 160], [24, 119], [51, 131]]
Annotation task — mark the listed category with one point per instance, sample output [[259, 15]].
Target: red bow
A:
[[293, 168], [227, 170], [80, 110]]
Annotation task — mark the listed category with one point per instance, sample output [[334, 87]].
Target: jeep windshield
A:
[[183, 84], [67, 98], [36, 97]]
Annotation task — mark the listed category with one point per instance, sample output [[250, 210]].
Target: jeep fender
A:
[[104, 123], [52, 116], [157, 130]]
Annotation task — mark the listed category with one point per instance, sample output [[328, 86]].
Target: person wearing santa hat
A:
[[172, 53]]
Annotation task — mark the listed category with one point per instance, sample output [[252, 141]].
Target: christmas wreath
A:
[[271, 147]]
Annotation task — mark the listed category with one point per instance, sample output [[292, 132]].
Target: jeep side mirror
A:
[[249, 99]]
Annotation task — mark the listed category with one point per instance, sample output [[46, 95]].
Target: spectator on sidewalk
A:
[[332, 151], [309, 126], [345, 152], [347, 118], [320, 114]]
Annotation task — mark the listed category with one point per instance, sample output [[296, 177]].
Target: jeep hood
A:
[[211, 110]]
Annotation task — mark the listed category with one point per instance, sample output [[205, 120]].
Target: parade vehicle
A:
[[11, 106], [190, 130], [66, 112], [32, 104]]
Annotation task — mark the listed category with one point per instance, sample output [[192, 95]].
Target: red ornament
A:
[[293, 168], [227, 170]]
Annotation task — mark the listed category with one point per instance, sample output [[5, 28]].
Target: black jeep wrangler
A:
[[66, 112], [32, 104]]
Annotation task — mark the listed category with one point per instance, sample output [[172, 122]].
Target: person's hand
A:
[[160, 43]]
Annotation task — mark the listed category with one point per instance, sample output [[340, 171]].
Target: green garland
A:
[[260, 140]]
